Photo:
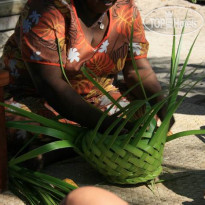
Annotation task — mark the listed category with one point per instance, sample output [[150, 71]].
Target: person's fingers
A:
[[172, 121]]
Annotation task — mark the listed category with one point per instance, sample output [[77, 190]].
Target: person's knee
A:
[[93, 196]]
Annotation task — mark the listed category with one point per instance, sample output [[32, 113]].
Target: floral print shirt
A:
[[43, 21]]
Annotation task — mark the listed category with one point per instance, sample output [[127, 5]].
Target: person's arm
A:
[[40, 53], [150, 83], [63, 98]]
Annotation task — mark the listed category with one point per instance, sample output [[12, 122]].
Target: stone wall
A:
[[11, 7], [9, 14]]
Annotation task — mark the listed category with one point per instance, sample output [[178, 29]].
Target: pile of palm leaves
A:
[[131, 158]]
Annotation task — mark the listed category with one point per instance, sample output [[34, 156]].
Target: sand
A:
[[160, 45]]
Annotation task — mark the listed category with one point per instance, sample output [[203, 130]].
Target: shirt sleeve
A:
[[140, 44], [40, 29]]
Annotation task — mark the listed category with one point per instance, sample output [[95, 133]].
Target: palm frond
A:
[[41, 150], [37, 188]]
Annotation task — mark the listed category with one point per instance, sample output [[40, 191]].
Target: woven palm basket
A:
[[125, 163]]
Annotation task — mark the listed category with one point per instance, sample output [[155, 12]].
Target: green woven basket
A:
[[125, 163]]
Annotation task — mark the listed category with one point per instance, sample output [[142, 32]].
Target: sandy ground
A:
[[181, 156], [160, 45]]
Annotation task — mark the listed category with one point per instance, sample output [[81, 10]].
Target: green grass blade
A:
[[134, 63], [173, 54], [25, 145], [91, 73], [145, 120], [185, 133], [177, 58], [46, 197], [33, 187], [22, 191], [64, 186], [41, 150], [108, 110], [186, 61], [70, 129], [61, 62], [31, 179], [87, 72], [163, 129], [149, 116], [132, 108], [129, 108], [88, 76], [40, 130], [120, 112], [175, 66], [129, 114]]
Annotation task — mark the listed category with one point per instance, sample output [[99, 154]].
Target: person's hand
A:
[[162, 114], [110, 119]]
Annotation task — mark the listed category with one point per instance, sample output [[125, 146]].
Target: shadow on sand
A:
[[188, 183]]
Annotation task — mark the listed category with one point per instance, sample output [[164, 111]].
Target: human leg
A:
[[92, 196]]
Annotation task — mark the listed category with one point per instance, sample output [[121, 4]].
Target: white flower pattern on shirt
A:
[[36, 56], [103, 47], [136, 48], [64, 2], [15, 104], [73, 55]]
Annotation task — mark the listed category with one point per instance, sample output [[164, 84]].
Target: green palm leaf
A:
[[42, 150], [36, 187], [68, 128], [40, 130]]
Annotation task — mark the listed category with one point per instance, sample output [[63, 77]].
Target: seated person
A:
[[91, 33]]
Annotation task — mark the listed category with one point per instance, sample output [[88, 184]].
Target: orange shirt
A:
[[42, 21]]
